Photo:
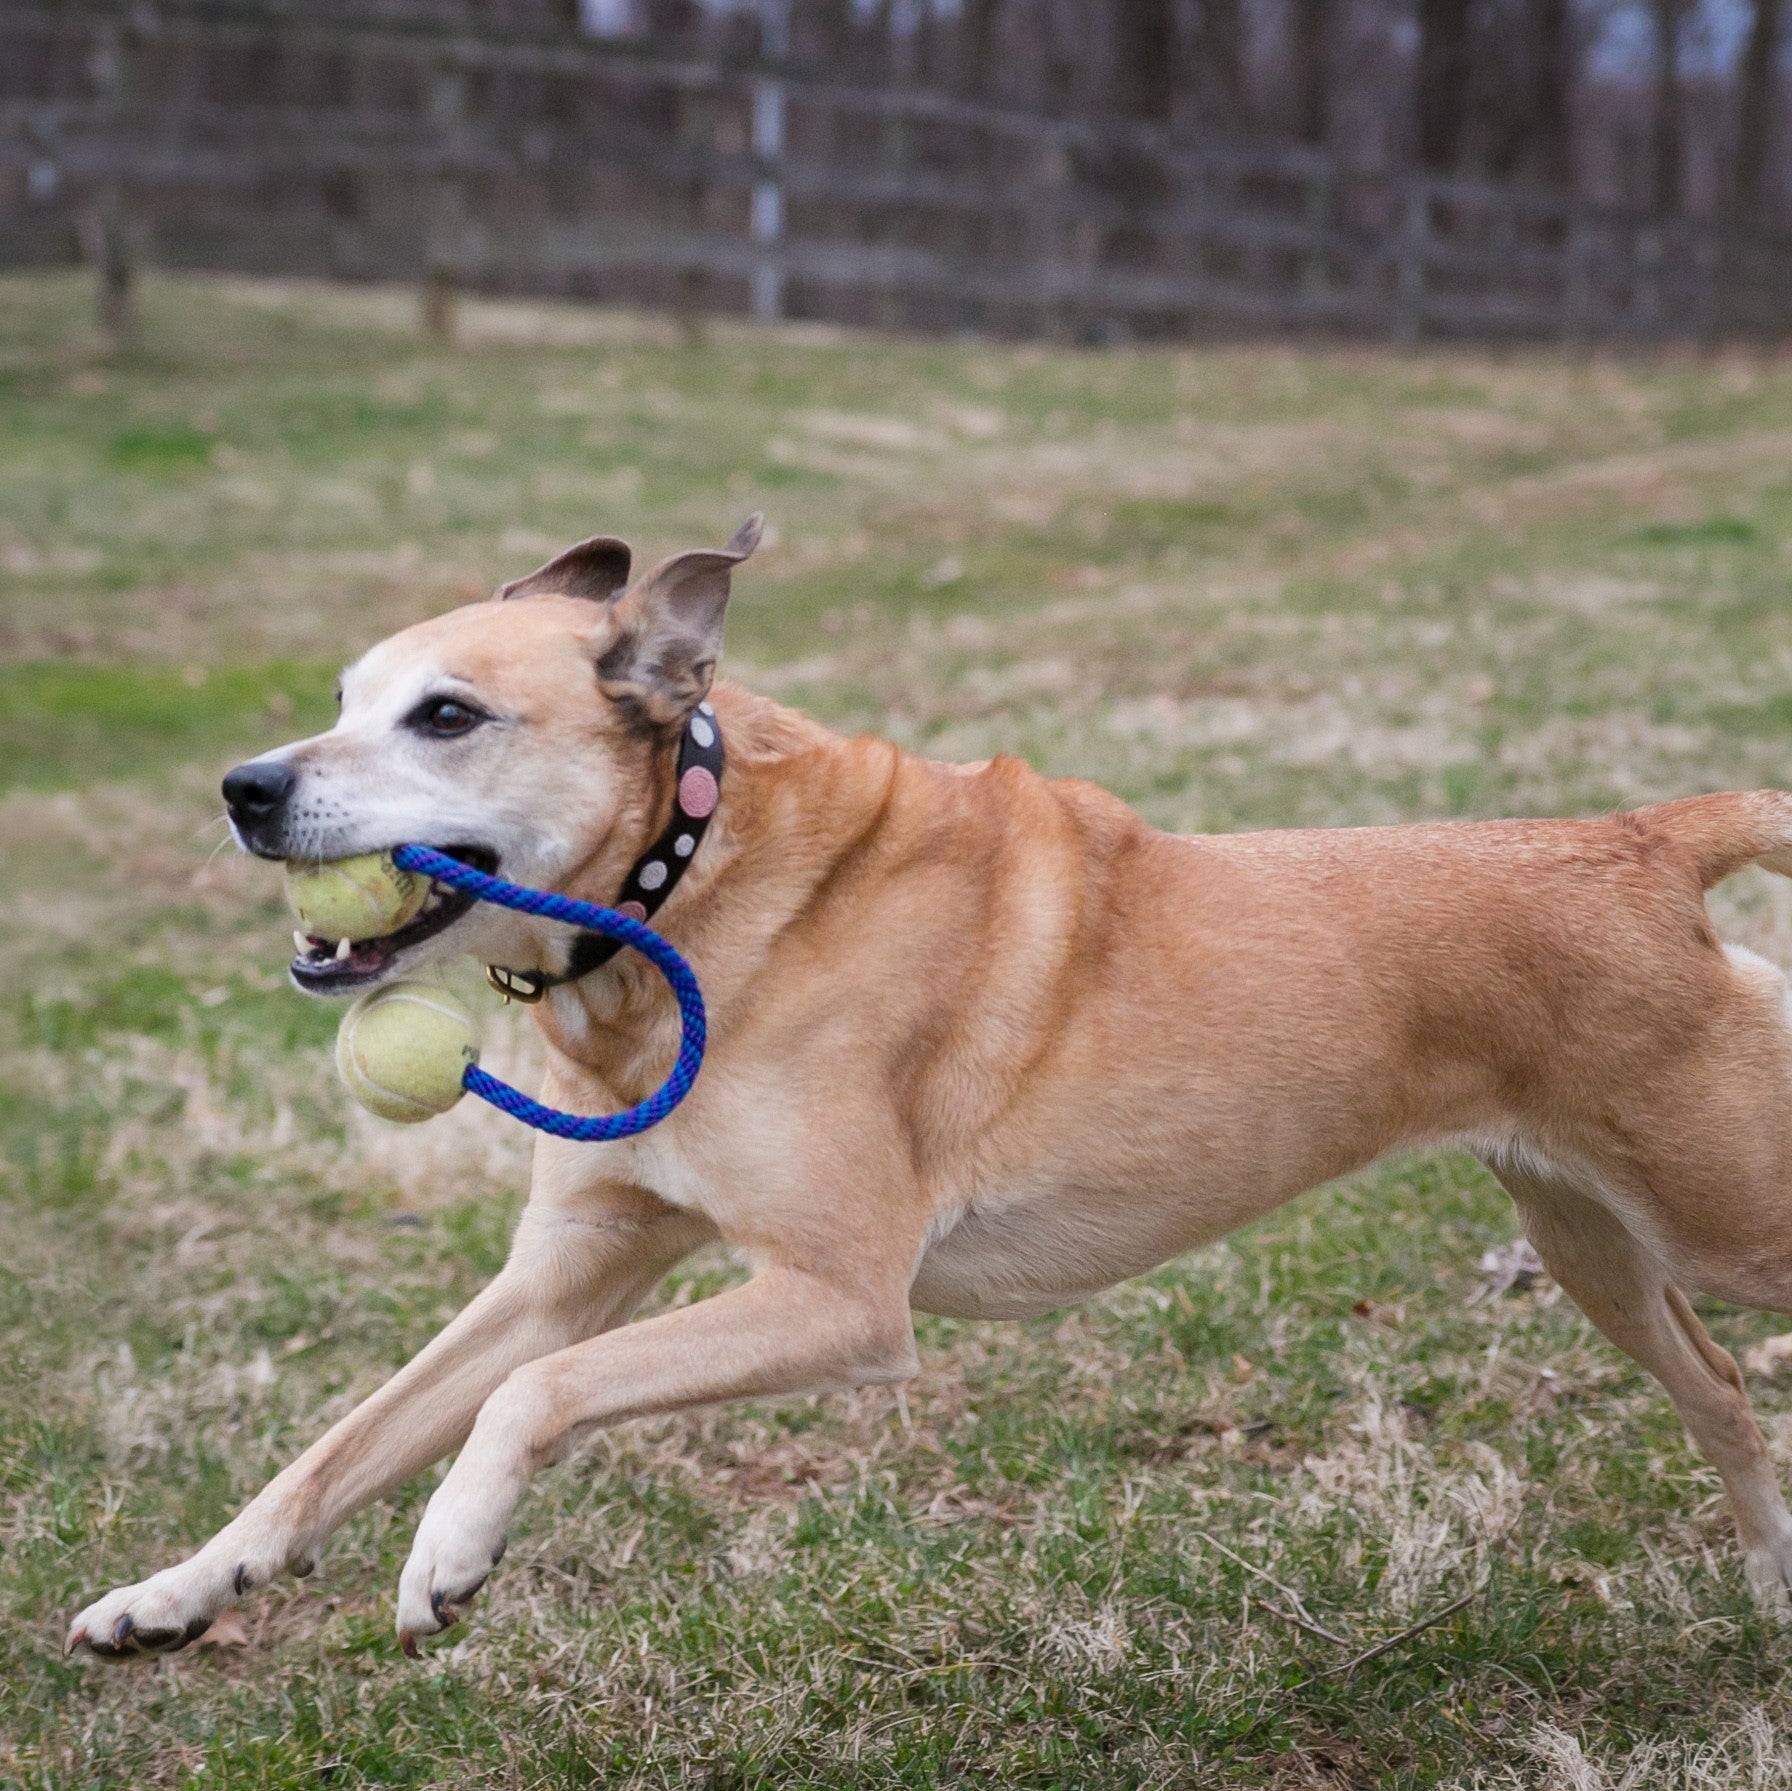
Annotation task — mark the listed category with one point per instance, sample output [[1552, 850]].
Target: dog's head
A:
[[528, 735]]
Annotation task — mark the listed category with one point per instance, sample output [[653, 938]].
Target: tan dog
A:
[[984, 1044]]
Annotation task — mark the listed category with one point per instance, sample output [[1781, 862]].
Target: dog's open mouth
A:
[[340, 966]]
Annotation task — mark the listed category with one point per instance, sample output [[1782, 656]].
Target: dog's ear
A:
[[597, 569], [664, 654]]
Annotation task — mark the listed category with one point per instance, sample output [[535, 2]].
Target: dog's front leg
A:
[[786, 1331], [579, 1261]]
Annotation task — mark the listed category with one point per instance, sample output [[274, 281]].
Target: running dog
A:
[[982, 1044]]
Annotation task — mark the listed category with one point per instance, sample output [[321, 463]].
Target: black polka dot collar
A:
[[656, 872]]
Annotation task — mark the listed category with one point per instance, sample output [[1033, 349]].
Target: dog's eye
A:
[[444, 717]]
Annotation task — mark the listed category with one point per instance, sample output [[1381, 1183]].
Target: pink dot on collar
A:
[[633, 910], [697, 792]]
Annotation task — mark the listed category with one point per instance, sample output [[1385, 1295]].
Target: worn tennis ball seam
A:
[[403, 1050], [359, 898]]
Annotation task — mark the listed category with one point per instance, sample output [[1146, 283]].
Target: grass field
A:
[[1243, 588]]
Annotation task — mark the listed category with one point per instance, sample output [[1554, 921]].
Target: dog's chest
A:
[[654, 1161]]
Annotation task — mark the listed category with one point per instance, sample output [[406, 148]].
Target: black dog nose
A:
[[254, 791]]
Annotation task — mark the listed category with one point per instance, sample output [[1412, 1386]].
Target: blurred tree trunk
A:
[[1145, 59], [670, 21], [977, 31], [1667, 156], [1220, 57], [821, 32], [1758, 111], [1552, 121], [1309, 50], [1442, 97]]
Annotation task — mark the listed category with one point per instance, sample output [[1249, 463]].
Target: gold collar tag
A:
[[526, 986]]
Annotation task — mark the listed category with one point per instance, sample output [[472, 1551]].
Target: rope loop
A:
[[581, 1128]]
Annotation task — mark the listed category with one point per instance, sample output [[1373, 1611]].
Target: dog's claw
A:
[[407, 1644], [442, 1603]]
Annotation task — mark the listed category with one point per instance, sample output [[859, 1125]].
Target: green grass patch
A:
[[159, 450], [63, 725], [1711, 531]]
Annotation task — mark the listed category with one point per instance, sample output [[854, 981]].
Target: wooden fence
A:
[[366, 144]]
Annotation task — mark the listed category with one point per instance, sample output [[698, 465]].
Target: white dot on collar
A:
[[684, 845], [702, 732], [653, 874]]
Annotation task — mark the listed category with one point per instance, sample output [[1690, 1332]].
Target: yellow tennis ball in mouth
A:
[[354, 898], [402, 1049]]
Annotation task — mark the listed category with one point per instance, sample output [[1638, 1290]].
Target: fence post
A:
[[1646, 249], [1713, 281], [698, 132], [108, 232], [888, 308], [768, 200], [1053, 239], [1315, 283], [1579, 323], [444, 248], [767, 217], [1411, 252]]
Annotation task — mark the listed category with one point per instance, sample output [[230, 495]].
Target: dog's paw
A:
[[451, 1558], [1767, 1567], [157, 1616], [178, 1605]]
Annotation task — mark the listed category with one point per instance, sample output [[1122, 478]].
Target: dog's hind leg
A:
[[581, 1260], [1620, 1284]]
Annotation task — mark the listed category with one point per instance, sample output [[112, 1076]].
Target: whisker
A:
[[227, 839]]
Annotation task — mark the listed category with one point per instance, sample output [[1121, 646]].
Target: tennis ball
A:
[[354, 898], [402, 1049]]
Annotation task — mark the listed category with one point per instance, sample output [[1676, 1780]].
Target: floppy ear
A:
[[664, 654], [597, 569]]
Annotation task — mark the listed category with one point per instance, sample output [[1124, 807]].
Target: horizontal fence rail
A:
[[394, 145]]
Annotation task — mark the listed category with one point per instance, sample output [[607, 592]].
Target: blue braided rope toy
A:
[[581, 1128]]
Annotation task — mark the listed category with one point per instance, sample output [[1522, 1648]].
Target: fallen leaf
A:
[[1392, 1316], [227, 1631]]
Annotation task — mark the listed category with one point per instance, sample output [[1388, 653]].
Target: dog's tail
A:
[[1721, 834]]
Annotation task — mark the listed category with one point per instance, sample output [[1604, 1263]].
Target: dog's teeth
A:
[[301, 942], [343, 948]]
